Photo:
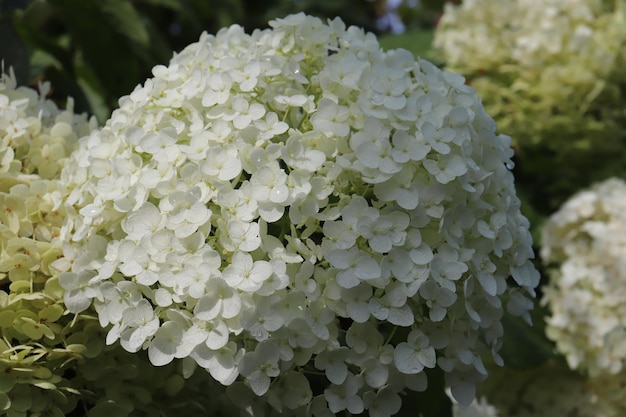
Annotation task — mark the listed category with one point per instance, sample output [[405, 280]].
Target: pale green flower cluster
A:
[[550, 72], [585, 244], [296, 203], [36, 139], [550, 35], [53, 362]]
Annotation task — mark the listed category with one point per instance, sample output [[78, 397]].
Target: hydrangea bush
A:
[[551, 74], [296, 205], [53, 363], [585, 245]]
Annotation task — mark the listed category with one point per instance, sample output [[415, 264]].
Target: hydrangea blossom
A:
[[54, 363], [298, 201], [538, 36], [36, 138], [550, 73], [584, 243]]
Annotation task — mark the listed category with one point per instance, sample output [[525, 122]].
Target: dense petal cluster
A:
[[36, 138], [530, 36], [298, 201], [53, 362], [584, 243], [550, 73]]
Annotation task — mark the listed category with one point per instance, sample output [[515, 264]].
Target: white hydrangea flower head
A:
[[529, 35], [54, 363], [547, 71], [284, 201], [585, 244]]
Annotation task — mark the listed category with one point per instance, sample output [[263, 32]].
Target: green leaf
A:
[[107, 53], [28, 23], [12, 51], [123, 18]]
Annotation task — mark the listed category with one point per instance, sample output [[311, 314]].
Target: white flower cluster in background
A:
[[36, 137], [297, 204], [585, 243], [549, 72], [36, 140], [481, 34]]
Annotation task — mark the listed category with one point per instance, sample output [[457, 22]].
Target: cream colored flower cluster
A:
[[297, 202], [549, 71], [36, 137], [53, 363], [492, 35], [585, 244]]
